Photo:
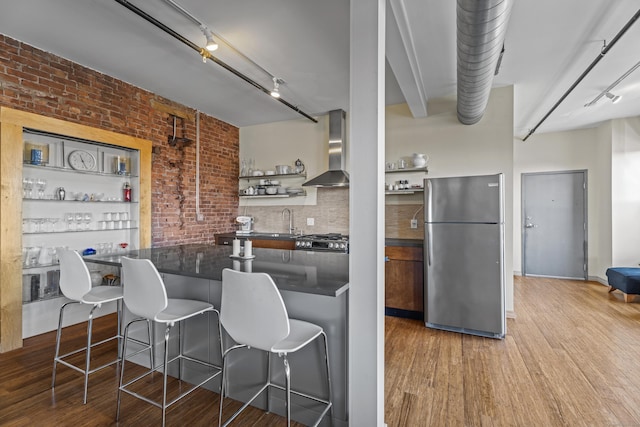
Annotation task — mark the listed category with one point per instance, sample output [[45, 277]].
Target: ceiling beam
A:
[[401, 54]]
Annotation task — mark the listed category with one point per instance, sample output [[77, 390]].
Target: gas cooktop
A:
[[330, 242]]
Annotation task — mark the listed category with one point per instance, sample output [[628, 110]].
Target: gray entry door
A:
[[554, 233]]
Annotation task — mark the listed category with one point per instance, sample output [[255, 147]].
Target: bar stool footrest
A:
[[158, 369]]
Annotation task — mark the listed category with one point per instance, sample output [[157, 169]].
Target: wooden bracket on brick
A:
[[156, 105]]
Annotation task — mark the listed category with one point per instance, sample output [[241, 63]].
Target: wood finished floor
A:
[[571, 358]]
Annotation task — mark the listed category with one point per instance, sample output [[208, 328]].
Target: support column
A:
[[366, 224]]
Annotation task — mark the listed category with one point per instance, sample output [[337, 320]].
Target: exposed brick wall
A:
[[41, 83]]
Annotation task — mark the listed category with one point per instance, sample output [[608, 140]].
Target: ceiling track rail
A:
[[601, 55], [205, 53]]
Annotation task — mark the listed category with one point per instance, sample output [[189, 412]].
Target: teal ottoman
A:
[[625, 279]]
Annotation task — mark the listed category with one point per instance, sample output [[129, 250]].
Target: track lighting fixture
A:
[[205, 52], [211, 43], [276, 87], [612, 97]]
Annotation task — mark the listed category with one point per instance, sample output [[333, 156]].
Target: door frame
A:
[[585, 188]]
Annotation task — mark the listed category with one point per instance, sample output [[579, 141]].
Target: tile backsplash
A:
[[331, 215]]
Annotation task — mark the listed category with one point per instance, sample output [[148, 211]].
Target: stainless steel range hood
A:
[[336, 176]]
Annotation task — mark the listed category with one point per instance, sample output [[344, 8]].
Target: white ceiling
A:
[[306, 43]]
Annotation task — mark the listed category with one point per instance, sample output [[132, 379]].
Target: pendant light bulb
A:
[[276, 91]]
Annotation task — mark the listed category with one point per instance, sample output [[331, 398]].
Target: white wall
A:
[[282, 143], [554, 152], [611, 155], [605, 214], [457, 150], [625, 192]]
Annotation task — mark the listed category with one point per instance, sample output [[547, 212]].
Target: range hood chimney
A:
[[336, 176]]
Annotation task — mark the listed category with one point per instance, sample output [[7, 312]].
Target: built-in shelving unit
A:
[[407, 191], [405, 170], [54, 140], [75, 201], [254, 182]]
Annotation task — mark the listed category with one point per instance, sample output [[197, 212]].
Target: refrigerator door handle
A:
[[429, 240], [428, 202]]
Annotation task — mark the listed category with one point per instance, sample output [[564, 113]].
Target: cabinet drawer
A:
[[274, 244], [405, 253]]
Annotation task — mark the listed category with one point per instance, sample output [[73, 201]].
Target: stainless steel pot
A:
[[283, 169]]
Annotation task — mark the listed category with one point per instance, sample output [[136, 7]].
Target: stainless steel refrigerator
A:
[[464, 255]]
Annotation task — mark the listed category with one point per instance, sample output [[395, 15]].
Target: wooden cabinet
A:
[[404, 281]]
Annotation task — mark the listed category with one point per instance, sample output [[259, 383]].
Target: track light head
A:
[[275, 92], [614, 98], [211, 43]]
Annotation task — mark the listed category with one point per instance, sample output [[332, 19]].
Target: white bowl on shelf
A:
[[270, 172], [258, 173], [271, 190]]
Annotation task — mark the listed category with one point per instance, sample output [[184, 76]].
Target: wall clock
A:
[[82, 160]]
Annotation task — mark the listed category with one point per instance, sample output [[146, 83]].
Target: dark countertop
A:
[[309, 272], [404, 242]]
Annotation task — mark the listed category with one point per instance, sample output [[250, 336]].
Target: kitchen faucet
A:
[[291, 227]]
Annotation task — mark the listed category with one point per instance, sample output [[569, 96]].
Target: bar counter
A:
[[319, 273], [314, 287]]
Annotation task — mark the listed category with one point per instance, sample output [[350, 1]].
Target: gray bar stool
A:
[[146, 297], [254, 315], [75, 283]]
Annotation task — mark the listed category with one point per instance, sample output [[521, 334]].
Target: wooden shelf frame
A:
[[12, 123]]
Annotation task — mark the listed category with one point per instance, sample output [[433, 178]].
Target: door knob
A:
[[529, 225]]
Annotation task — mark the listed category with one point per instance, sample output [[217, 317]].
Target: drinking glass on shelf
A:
[[54, 222], [36, 225], [27, 184], [124, 216], [41, 184], [79, 217], [69, 217], [32, 256], [88, 217]]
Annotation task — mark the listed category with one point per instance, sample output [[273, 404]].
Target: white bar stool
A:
[[75, 283], [254, 315], [146, 297]]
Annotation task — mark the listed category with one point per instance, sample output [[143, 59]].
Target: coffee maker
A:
[[245, 224]]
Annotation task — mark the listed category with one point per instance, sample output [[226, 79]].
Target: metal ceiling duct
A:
[[481, 29]]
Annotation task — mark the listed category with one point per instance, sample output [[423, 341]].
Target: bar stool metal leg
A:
[[58, 337], [326, 359], [88, 353], [269, 382], [287, 375], [165, 371]]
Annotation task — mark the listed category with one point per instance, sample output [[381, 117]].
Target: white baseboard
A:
[[599, 280], [511, 314]]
